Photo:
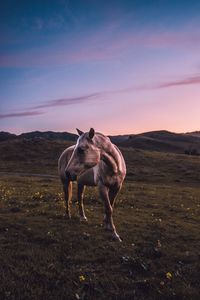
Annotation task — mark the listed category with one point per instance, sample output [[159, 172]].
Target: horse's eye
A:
[[80, 150]]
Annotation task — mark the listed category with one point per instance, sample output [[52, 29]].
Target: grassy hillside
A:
[[32, 155], [163, 141], [37, 135], [41, 156], [160, 141], [45, 256], [49, 135], [4, 136]]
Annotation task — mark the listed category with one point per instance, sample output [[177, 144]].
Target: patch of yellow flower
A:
[[38, 195], [82, 278], [169, 275]]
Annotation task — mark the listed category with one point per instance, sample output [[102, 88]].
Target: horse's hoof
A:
[[83, 219], [116, 237]]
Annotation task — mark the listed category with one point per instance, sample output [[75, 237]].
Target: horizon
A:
[[115, 134], [122, 66]]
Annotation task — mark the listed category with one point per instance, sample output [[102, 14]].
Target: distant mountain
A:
[[49, 135], [194, 133], [4, 136], [163, 141], [116, 139]]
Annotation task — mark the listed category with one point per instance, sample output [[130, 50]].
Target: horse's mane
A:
[[103, 138]]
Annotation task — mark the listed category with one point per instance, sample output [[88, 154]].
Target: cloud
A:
[[45, 57], [105, 43], [53, 103], [21, 114], [186, 81], [195, 79], [69, 101]]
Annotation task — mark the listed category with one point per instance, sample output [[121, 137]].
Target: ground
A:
[[45, 256]]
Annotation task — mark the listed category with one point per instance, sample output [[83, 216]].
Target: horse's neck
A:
[[109, 154]]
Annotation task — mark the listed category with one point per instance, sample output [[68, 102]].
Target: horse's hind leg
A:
[[81, 188], [108, 219], [113, 194], [67, 188]]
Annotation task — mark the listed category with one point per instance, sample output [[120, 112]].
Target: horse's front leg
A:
[[67, 188], [108, 219], [81, 188]]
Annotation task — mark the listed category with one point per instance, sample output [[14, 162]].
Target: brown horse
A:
[[93, 161]]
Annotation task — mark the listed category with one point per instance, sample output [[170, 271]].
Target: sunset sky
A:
[[118, 66]]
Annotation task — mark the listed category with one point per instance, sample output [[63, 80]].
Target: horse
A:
[[93, 161]]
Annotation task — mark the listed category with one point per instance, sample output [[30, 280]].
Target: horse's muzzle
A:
[[70, 176]]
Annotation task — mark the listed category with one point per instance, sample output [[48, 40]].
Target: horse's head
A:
[[85, 155]]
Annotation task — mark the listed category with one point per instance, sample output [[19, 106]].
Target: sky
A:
[[118, 66]]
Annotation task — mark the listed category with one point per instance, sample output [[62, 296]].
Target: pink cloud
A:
[[186, 81], [69, 101], [21, 114], [104, 44], [45, 58], [195, 79]]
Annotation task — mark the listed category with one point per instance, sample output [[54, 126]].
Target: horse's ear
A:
[[91, 133], [79, 131]]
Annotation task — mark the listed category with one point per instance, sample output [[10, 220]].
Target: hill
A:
[[49, 135], [41, 156], [4, 136], [34, 135], [163, 141], [194, 133]]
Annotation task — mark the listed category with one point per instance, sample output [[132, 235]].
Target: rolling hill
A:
[[194, 133], [161, 141], [34, 135], [4, 136]]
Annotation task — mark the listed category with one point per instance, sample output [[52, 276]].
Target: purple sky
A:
[[117, 66]]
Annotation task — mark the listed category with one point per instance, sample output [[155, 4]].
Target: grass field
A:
[[45, 256]]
